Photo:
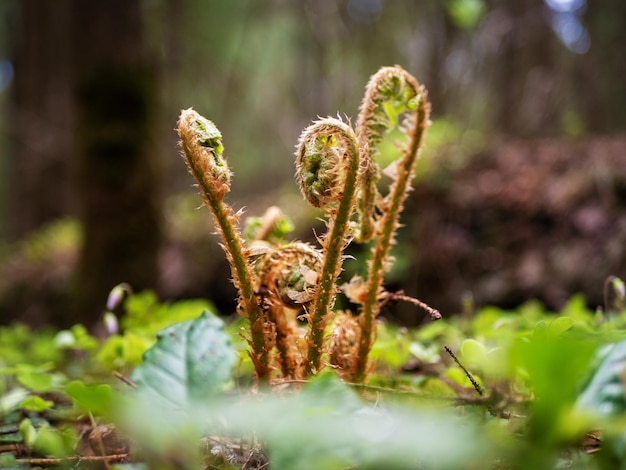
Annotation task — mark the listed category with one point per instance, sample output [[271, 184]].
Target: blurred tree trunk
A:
[[43, 116], [525, 68], [603, 68], [313, 40], [119, 205]]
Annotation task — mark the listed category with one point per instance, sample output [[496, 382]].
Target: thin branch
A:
[[401, 297], [477, 387], [124, 379], [54, 462]]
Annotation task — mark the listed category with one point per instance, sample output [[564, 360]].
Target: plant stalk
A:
[[202, 151], [335, 239], [385, 237]]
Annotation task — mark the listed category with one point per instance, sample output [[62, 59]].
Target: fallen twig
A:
[[53, 462]]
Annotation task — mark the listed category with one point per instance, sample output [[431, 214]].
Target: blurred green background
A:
[[93, 192]]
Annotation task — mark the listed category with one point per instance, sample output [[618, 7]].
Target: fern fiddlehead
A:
[[202, 146], [337, 172], [288, 278], [390, 93], [327, 161]]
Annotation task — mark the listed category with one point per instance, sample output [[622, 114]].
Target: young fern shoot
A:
[[389, 93], [201, 142], [327, 162], [279, 281], [287, 277]]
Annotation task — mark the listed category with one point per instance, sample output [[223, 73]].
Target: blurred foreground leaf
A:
[[326, 426]]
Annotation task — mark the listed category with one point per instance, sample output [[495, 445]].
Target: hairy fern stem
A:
[[337, 172], [392, 82], [327, 140], [202, 151]]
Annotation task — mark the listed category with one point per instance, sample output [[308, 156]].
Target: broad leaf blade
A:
[[189, 362], [605, 394]]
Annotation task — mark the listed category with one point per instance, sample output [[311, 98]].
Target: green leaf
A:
[[97, 399], [121, 351], [145, 315], [327, 391], [327, 426], [436, 387], [52, 442], [76, 337], [605, 393], [28, 431], [456, 374], [10, 437], [391, 347], [554, 366], [9, 461], [189, 362], [426, 354], [36, 403], [576, 308], [34, 378], [473, 351], [560, 326]]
